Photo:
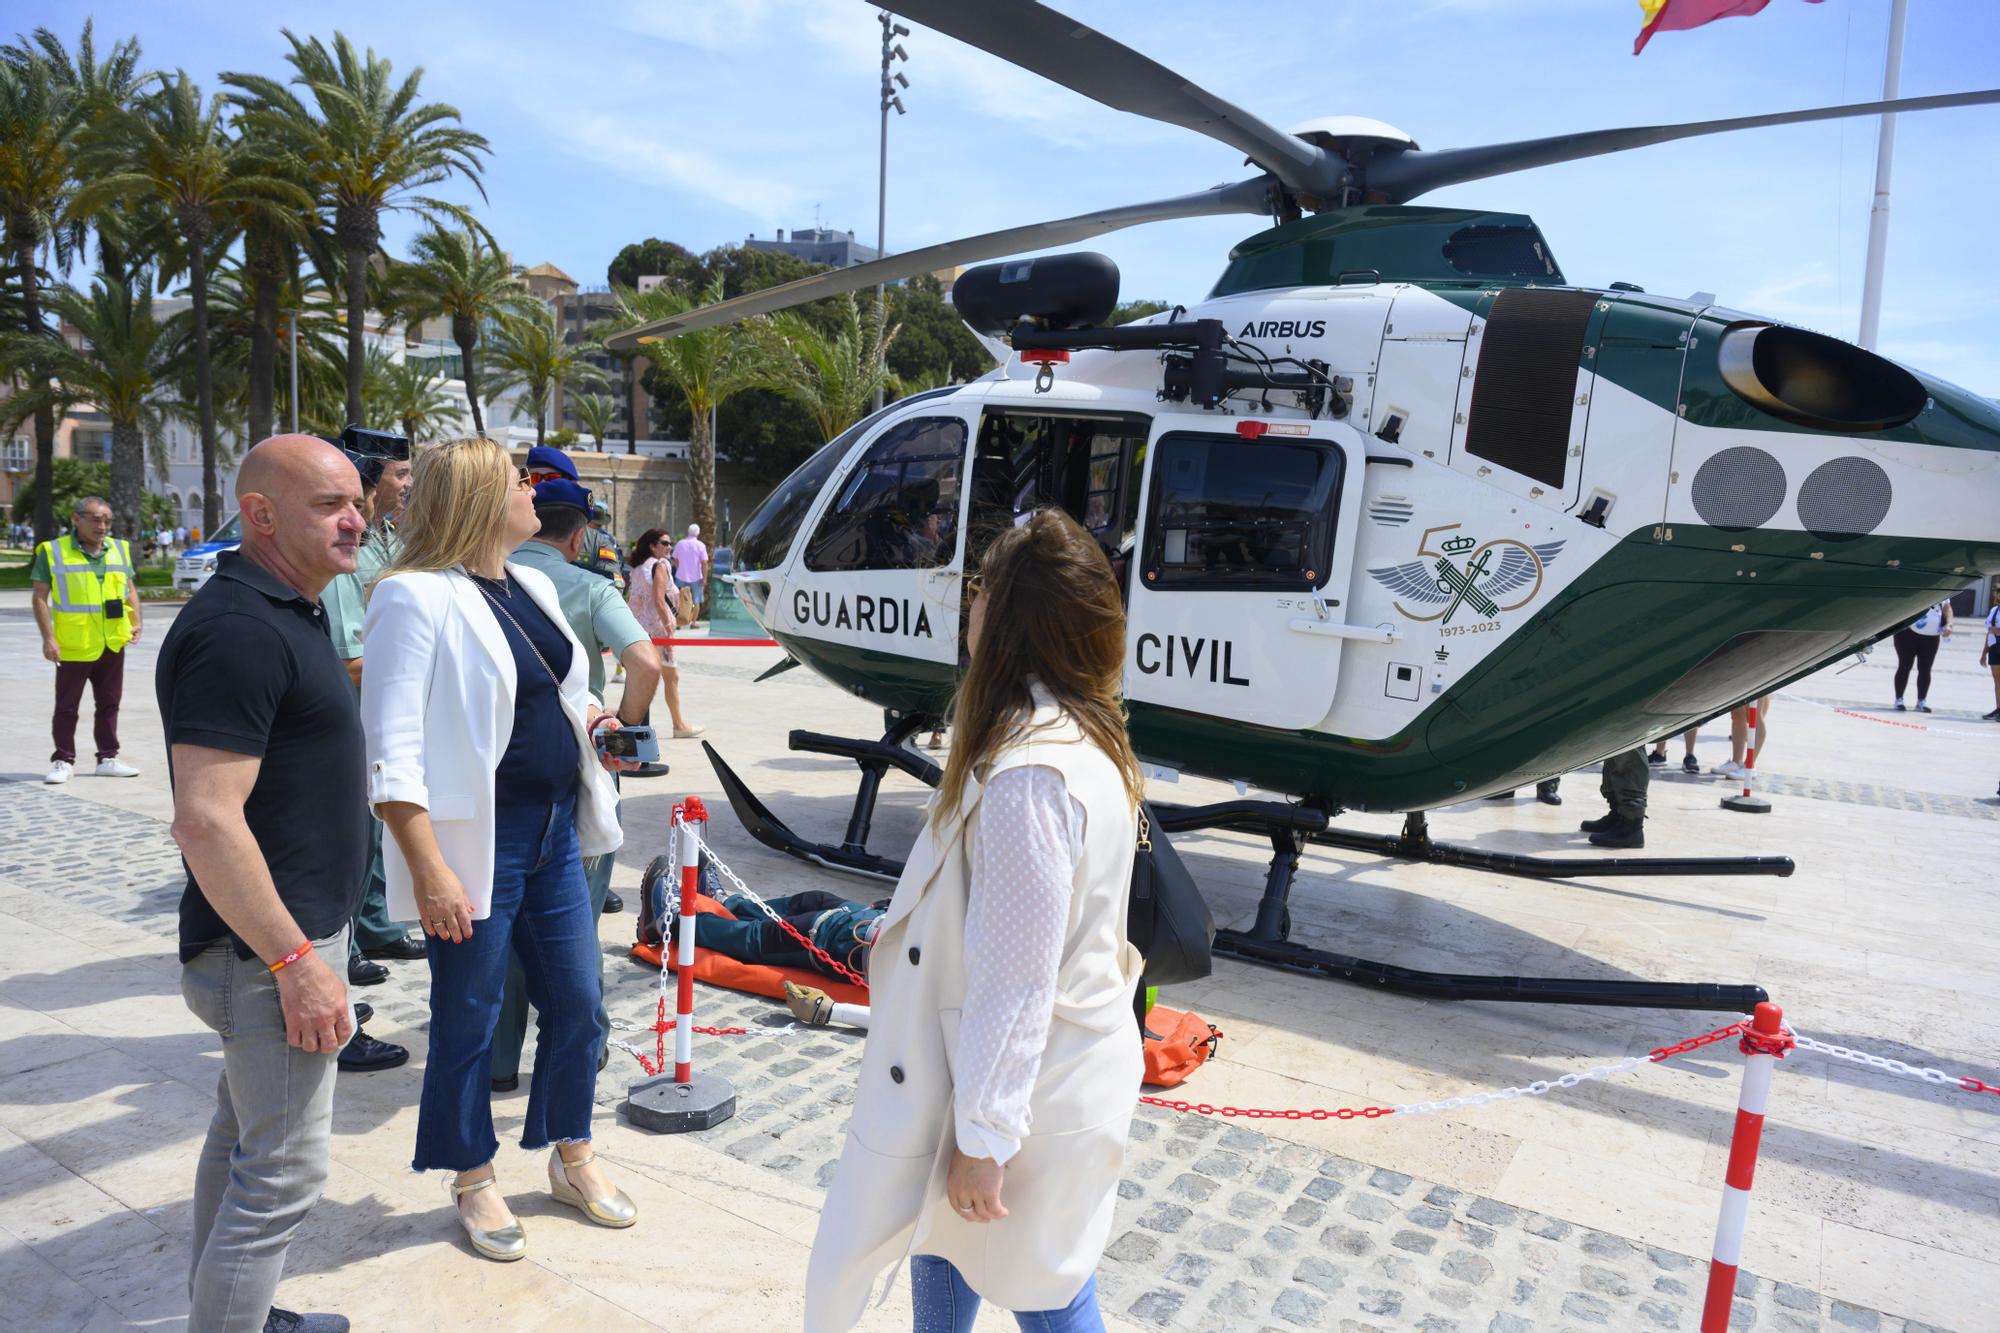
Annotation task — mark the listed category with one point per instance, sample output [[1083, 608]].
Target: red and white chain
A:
[[1543, 1087], [1891, 1066], [722, 868]]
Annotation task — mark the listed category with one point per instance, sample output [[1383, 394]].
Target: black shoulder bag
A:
[[1168, 923]]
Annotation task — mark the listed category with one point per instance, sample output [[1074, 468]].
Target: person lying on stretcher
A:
[[844, 929]]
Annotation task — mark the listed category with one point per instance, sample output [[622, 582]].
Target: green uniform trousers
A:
[[1624, 783]]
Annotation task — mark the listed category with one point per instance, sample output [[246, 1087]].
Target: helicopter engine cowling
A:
[[1073, 291]]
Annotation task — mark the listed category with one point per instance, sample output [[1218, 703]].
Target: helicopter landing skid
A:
[[1290, 828], [875, 759]]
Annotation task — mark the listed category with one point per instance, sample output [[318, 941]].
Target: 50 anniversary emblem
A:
[[1490, 579]]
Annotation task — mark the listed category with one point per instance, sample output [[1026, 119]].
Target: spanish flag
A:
[[1680, 15]]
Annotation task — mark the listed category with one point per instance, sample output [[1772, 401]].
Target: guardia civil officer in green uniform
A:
[[598, 617], [601, 554], [1624, 787], [385, 481]]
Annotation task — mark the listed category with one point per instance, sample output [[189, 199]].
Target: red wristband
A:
[[304, 948]]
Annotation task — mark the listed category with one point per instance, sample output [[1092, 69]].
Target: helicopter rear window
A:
[[1499, 252], [898, 508], [1228, 514]]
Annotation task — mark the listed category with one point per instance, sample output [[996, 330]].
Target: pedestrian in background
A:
[[998, 1080], [1917, 644], [1989, 656], [651, 597], [691, 567], [493, 794], [86, 603], [1739, 736], [268, 770]]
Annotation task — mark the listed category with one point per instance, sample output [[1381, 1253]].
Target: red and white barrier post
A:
[[1748, 803], [1764, 1044], [681, 1101]]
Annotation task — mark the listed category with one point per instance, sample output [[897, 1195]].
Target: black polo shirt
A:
[[249, 667]]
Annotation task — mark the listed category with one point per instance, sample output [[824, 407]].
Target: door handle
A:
[[1358, 633]]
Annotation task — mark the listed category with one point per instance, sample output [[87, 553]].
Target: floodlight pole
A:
[[891, 52], [1885, 152]]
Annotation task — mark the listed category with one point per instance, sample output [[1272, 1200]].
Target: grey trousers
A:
[[265, 1159]]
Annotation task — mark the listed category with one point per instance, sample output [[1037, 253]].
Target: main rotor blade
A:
[[1406, 175], [1082, 59], [1251, 196]]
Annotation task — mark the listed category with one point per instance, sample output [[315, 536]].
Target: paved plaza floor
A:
[[1877, 1202]]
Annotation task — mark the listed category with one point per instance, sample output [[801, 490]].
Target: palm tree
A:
[[596, 411], [245, 303], [126, 358], [835, 378], [708, 366], [175, 148], [529, 354], [42, 125], [370, 146], [411, 393], [458, 275]]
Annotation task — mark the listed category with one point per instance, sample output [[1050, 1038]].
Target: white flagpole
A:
[[1885, 152]]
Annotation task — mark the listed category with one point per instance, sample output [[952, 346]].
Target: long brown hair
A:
[[642, 549], [1053, 618]]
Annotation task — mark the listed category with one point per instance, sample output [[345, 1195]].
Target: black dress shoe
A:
[[613, 904], [290, 1321], [363, 1011], [507, 1084], [361, 972], [407, 948], [365, 1055]]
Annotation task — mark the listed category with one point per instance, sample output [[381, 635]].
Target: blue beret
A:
[[543, 458], [562, 493]]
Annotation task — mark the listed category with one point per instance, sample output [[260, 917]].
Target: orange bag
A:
[[1176, 1044], [719, 969]]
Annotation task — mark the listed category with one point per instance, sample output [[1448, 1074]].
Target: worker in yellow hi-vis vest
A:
[[87, 606]]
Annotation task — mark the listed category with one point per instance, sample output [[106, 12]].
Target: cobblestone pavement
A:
[[1218, 1227]]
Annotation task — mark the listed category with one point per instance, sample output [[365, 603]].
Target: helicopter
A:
[[1402, 517]]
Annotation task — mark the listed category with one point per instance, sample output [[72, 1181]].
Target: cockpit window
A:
[[898, 508], [1499, 252], [768, 534]]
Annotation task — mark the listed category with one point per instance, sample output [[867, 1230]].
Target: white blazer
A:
[[887, 1197], [437, 704]]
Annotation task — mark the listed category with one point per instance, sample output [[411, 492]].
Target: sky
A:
[[706, 121]]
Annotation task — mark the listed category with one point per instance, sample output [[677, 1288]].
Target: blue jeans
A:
[[512, 1029], [541, 914], [943, 1303]]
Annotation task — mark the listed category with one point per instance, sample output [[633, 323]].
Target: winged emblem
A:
[[1427, 584]]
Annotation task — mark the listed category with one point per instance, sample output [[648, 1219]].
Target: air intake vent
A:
[[1526, 389], [1738, 488], [1391, 511], [1843, 498]]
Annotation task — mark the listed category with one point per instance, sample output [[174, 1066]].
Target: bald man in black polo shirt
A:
[[268, 767]]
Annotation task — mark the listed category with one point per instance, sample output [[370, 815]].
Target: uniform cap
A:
[[562, 494]]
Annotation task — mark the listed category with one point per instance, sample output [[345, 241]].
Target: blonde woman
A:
[[1002, 1062], [482, 763]]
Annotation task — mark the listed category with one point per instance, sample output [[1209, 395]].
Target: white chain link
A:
[[1539, 1088], [722, 867], [1881, 1062]]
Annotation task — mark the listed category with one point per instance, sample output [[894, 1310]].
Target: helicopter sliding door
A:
[[1241, 567], [878, 578]]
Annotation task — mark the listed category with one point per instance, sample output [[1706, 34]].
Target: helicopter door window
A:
[[1232, 515], [898, 509]]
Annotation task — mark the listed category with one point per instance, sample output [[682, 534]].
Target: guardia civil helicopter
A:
[[1404, 517]]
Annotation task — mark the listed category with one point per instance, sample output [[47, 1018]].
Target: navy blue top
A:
[[539, 768]]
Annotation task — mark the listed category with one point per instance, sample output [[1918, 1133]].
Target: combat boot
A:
[[1599, 825], [1620, 832]]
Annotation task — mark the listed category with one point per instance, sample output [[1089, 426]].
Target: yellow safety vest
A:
[[77, 596]]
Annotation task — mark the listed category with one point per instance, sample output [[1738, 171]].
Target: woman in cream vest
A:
[[1003, 1062]]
